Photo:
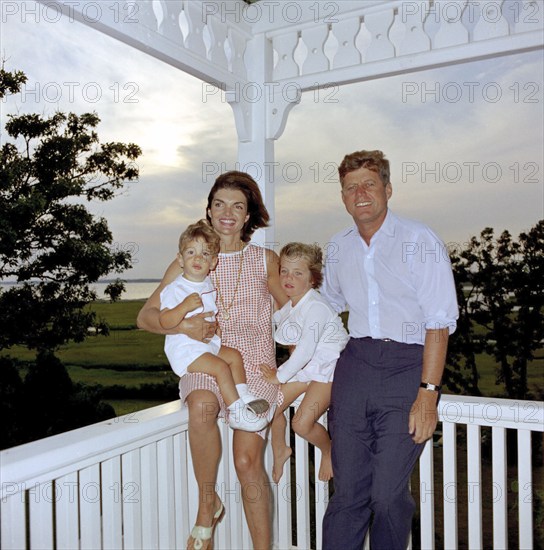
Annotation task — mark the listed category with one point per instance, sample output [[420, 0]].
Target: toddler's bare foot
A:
[[325, 470], [280, 458]]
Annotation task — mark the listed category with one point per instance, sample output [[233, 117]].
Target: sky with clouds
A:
[[465, 142]]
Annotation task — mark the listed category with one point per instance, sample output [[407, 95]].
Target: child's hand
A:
[[192, 302], [269, 374]]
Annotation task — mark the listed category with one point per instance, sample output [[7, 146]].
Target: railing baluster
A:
[[89, 507], [167, 518], [112, 520], [500, 488], [450, 495], [40, 498], [149, 490], [302, 493], [181, 489], [474, 484], [283, 491], [426, 491], [525, 483], [66, 512], [132, 500], [13, 521]]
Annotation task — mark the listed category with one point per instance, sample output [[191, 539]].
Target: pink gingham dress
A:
[[249, 329]]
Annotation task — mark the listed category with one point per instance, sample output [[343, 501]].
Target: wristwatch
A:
[[430, 387]]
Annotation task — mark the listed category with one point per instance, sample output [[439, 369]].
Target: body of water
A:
[[134, 290]]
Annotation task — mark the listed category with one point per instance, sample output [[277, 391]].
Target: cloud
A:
[[443, 130]]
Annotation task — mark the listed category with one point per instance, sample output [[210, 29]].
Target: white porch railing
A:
[[128, 483]]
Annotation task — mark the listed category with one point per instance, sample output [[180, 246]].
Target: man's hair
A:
[[241, 181], [200, 229], [309, 252], [372, 160]]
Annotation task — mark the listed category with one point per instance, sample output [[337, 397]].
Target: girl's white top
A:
[[317, 331]]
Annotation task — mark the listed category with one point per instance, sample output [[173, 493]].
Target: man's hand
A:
[[269, 374], [198, 327], [423, 416]]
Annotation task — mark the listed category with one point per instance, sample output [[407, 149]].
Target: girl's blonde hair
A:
[[311, 253]]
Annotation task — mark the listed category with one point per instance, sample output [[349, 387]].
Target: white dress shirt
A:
[[397, 287]]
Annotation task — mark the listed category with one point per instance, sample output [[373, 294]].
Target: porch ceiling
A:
[[318, 42]]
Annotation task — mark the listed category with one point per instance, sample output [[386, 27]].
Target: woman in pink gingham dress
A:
[[246, 279]]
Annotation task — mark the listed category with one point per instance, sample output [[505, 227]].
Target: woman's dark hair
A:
[[258, 214]]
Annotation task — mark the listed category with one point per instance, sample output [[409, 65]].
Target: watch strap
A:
[[430, 387]]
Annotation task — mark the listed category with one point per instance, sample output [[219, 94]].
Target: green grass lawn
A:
[[130, 357]]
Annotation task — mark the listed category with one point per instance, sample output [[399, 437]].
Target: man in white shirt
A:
[[395, 278]]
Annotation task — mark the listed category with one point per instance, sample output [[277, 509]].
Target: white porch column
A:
[[260, 111]]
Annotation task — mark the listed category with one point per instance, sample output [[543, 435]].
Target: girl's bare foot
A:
[[325, 470], [280, 458]]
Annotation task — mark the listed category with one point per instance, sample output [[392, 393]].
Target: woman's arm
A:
[[148, 317], [273, 278], [196, 327]]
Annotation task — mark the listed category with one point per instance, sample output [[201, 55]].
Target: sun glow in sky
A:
[[465, 142]]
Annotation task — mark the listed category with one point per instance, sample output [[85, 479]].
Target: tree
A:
[[501, 304], [50, 243], [54, 248]]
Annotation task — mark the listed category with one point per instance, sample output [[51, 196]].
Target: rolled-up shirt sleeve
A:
[[435, 287]]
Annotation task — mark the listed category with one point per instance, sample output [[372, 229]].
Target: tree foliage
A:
[[50, 243], [501, 298]]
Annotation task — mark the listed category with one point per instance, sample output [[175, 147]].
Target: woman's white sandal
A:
[[201, 534]]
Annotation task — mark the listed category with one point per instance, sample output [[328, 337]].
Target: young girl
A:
[[190, 293], [308, 322]]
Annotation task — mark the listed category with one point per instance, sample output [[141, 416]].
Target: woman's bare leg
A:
[[248, 451], [205, 445], [305, 423]]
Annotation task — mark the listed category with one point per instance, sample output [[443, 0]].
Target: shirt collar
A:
[[387, 228]]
